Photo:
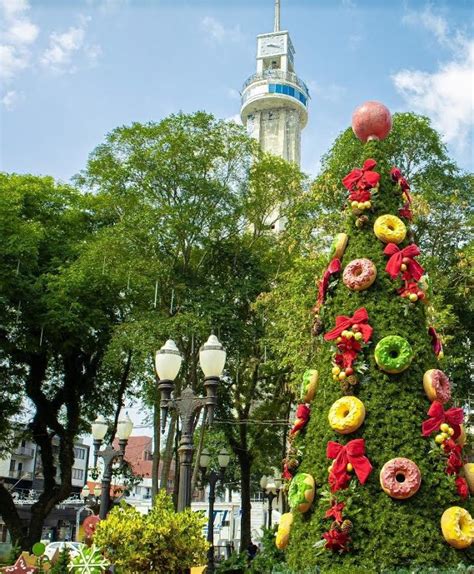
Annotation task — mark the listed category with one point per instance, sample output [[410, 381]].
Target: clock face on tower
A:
[[271, 46]]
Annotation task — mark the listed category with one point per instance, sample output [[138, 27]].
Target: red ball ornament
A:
[[90, 524], [371, 121]]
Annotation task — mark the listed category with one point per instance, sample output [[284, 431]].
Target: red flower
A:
[[339, 482], [286, 474], [405, 212], [335, 511], [449, 445], [454, 463], [462, 487], [336, 540], [395, 174]]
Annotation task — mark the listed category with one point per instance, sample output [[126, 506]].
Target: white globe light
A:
[[124, 427], [223, 458], [85, 492], [263, 482], [168, 361], [212, 357], [99, 428], [204, 459]]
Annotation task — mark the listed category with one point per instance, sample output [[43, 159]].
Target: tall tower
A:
[[274, 100]]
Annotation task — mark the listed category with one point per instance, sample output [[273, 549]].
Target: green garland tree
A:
[[371, 406]]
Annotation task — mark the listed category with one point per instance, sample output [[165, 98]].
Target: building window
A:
[[3, 533], [79, 453], [77, 473], [12, 464]]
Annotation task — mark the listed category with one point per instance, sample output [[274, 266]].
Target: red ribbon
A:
[[453, 417], [353, 452], [394, 263], [343, 323], [333, 267], [360, 195], [435, 341], [363, 178], [302, 417]]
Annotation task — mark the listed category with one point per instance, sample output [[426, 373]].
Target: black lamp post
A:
[[188, 406], [270, 490], [213, 477], [109, 454]]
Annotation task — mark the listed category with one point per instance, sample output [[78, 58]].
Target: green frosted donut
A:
[[301, 492], [393, 354]]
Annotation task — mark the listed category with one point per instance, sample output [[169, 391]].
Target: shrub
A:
[[162, 541]]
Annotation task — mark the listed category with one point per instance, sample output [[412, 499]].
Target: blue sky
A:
[[73, 70]]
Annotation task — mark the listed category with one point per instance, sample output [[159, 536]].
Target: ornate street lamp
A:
[[188, 406], [109, 454], [213, 477], [270, 489]]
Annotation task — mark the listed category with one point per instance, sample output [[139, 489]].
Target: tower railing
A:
[[276, 75]]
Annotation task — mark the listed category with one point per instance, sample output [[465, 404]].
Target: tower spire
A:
[[276, 26]]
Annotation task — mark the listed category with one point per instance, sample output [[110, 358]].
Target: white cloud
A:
[[434, 23], [18, 33], [218, 33], [445, 95], [9, 99], [64, 47], [234, 119]]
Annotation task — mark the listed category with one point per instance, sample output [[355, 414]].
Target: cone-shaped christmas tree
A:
[[379, 436]]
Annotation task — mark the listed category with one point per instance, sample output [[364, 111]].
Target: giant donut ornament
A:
[[359, 274], [400, 478], [283, 532], [346, 414], [301, 492], [437, 386], [457, 527], [390, 229]]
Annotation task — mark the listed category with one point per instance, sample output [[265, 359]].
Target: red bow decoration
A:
[[286, 474], [353, 452], [414, 269], [455, 463], [395, 174], [333, 267], [453, 417], [302, 417], [343, 323], [335, 511], [435, 341], [363, 178], [360, 195]]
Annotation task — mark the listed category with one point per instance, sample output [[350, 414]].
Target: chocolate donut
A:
[[359, 274], [437, 386], [400, 478]]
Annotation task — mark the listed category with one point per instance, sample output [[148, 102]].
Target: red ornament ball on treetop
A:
[[371, 121], [90, 524]]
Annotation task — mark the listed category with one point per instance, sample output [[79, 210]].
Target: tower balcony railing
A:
[[276, 75]]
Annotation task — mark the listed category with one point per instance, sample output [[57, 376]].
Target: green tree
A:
[[54, 325], [386, 533], [186, 203]]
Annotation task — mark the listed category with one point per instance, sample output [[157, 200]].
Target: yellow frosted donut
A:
[[346, 415], [283, 533], [390, 229], [457, 526]]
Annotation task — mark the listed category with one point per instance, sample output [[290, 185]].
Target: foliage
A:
[[237, 563], [269, 557], [387, 534], [61, 564], [161, 541]]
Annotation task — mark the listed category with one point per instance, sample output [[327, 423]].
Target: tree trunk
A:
[[246, 507], [197, 454], [168, 454]]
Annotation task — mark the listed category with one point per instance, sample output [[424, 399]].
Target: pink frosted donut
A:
[[359, 274], [437, 386], [400, 478]]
